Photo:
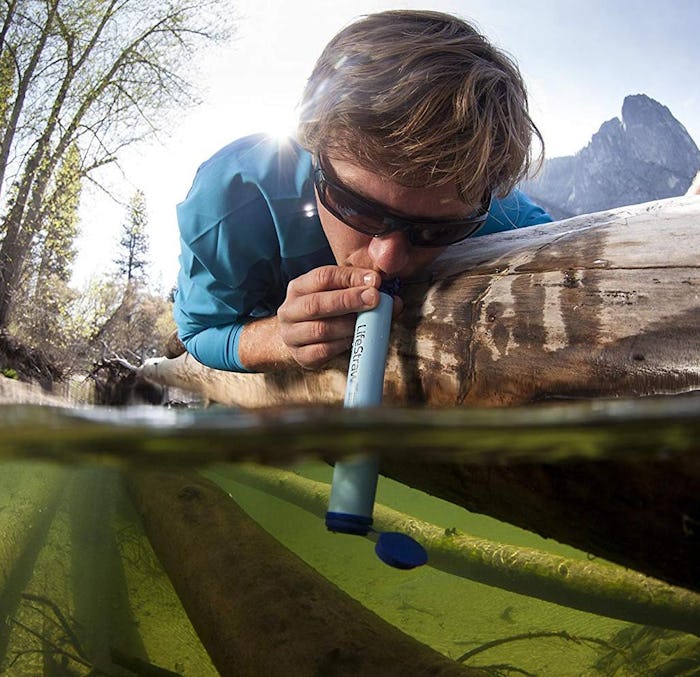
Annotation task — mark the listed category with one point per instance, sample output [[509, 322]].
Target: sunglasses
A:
[[374, 219]]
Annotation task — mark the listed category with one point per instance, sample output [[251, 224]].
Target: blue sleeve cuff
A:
[[235, 340], [217, 347]]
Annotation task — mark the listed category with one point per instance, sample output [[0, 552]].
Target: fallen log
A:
[[641, 511], [598, 306], [168, 637], [18, 392], [602, 305], [595, 587], [259, 609]]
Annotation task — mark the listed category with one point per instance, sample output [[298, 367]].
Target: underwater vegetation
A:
[[114, 570]]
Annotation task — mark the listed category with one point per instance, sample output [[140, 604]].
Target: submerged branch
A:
[[532, 635], [596, 587], [54, 647], [62, 620]]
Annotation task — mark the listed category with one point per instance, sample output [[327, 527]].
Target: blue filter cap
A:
[[400, 551], [345, 523]]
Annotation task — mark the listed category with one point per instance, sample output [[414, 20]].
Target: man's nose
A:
[[390, 253]]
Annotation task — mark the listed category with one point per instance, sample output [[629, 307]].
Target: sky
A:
[[579, 60]]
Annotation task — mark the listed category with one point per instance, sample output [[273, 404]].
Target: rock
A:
[[645, 155]]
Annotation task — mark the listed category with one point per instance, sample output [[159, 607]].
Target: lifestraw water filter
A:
[[355, 480]]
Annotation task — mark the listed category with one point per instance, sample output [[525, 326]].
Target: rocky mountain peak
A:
[[644, 155]]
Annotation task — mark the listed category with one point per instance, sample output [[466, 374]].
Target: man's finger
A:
[[328, 304], [316, 355], [330, 278], [319, 331]]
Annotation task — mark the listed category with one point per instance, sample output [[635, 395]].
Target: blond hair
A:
[[421, 98]]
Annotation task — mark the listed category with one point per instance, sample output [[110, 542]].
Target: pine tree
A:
[[133, 255]]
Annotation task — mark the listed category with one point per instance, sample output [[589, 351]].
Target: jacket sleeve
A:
[[229, 266]]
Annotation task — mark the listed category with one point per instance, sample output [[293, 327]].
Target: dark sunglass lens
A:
[[351, 212], [371, 219]]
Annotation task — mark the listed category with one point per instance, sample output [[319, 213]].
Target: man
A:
[[413, 133]]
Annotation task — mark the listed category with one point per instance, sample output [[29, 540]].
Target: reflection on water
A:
[[83, 592]]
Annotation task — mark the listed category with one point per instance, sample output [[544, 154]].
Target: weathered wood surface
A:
[[599, 306], [603, 305]]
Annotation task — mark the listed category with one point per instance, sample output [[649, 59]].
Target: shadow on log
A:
[[25, 519], [259, 609], [24, 522]]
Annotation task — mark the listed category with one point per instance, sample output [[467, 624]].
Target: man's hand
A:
[[317, 319], [315, 323]]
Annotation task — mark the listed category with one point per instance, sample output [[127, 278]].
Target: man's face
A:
[[391, 255]]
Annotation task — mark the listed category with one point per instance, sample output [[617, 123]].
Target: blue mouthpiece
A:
[[391, 287]]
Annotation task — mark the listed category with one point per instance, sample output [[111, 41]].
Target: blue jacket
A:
[[248, 226]]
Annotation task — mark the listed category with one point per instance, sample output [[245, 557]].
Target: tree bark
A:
[[258, 609]]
